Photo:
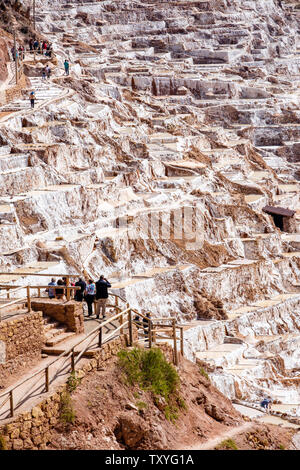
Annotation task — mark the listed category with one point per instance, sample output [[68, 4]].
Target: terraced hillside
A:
[[152, 162]]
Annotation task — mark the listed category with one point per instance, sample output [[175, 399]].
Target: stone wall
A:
[[70, 313], [31, 429], [21, 342], [15, 91]]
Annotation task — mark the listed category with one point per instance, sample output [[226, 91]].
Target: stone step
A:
[[57, 351], [55, 331], [50, 326], [53, 341]]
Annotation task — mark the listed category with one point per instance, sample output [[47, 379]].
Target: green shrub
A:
[[67, 413], [150, 371], [227, 444], [2, 443], [171, 413], [181, 403], [204, 373], [141, 405], [72, 382]]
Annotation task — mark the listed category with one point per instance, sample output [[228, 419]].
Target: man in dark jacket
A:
[[101, 295], [79, 293]]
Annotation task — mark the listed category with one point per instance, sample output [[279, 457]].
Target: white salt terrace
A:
[[272, 315]]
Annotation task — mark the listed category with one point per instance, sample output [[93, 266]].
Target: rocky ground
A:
[[111, 414]]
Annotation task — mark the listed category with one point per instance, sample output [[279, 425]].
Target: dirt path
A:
[[212, 443]]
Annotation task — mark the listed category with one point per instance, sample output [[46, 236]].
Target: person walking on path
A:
[[44, 74], [51, 292], [80, 293], [67, 67], [266, 404], [48, 72], [101, 295], [32, 98], [90, 296]]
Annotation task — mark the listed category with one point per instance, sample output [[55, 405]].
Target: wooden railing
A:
[[126, 320], [37, 55], [70, 353], [67, 276], [12, 289]]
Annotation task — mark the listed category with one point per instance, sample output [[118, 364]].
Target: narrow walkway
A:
[[33, 391], [212, 443]]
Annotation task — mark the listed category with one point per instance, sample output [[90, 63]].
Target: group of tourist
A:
[[41, 47], [17, 53], [90, 292]]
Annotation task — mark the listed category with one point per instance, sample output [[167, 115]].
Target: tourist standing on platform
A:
[[80, 293], [101, 295], [51, 292], [90, 296], [60, 293]]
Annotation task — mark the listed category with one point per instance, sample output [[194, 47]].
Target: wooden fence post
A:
[[150, 333], [181, 341], [130, 327], [68, 290], [100, 338], [47, 379], [175, 343], [28, 299], [73, 361], [121, 323], [11, 399]]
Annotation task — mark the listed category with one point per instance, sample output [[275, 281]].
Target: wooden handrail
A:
[[40, 287], [71, 351], [12, 302], [65, 353], [38, 274], [16, 289]]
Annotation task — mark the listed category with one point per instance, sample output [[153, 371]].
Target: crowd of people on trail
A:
[[18, 53], [41, 47], [90, 292]]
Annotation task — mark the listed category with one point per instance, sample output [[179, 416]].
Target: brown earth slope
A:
[[113, 415]]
